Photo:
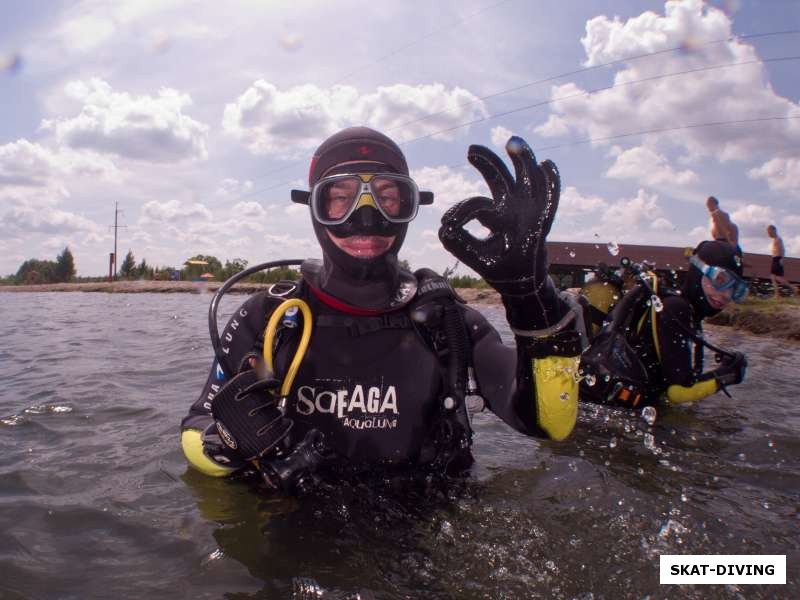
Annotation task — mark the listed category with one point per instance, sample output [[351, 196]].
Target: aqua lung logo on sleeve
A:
[[356, 406]]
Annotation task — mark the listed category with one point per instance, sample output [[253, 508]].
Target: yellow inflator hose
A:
[[269, 338]]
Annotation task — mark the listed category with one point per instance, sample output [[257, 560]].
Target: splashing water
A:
[[649, 414], [657, 305]]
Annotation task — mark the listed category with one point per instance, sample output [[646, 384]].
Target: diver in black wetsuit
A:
[[652, 350], [394, 355]]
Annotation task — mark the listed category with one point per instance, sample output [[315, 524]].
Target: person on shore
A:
[[723, 229], [776, 269], [394, 357], [652, 350]]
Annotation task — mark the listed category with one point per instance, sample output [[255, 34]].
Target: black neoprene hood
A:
[[356, 145]]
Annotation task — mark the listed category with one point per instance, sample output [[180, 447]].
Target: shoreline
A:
[[781, 319]]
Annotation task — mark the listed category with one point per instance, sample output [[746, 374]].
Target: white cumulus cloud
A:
[[781, 175], [173, 211], [268, 119], [647, 166], [148, 128], [28, 164], [449, 186], [734, 93]]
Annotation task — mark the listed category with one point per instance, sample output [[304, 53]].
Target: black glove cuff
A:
[[538, 309], [565, 343]]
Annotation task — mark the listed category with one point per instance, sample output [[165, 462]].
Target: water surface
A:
[[96, 500]]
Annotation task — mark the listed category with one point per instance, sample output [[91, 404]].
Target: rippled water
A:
[[96, 500]]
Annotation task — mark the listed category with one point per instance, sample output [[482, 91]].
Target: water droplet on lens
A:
[[657, 305], [613, 248], [649, 414]]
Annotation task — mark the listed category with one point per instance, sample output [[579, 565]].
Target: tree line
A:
[[196, 267], [33, 270]]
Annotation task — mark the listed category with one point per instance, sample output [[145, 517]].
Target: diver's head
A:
[[714, 278], [772, 231], [712, 204], [361, 200]]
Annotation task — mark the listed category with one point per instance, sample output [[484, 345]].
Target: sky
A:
[[198, 118]]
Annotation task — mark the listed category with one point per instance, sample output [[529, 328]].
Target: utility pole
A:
[[116, 226]]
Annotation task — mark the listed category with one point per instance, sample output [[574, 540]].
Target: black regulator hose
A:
[[457, 340], [213, 330]]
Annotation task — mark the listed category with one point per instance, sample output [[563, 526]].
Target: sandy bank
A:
[[780, 319]]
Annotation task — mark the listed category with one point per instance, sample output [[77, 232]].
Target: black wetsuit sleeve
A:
[[506, 379], [241, 336]]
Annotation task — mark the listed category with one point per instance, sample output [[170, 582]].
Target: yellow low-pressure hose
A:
[[269, 338]]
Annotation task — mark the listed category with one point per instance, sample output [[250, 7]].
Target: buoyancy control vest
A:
[[387, 389], [623, 364]]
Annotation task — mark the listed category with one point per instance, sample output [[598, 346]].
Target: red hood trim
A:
[[345, 308]]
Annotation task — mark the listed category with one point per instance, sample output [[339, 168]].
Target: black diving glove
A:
[[732, 370], [513, 258], [247, 416]]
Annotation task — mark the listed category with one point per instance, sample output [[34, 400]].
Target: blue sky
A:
[[199, 117]]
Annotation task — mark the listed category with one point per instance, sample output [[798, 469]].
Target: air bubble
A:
[[657, 305], [649, 414], [612, 443], [590, 380], [572, 253], [613, 248]]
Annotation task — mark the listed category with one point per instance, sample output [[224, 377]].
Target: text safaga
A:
[[363, 407]]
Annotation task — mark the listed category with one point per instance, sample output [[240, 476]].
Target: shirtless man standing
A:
[[776, 270], [722, 228]]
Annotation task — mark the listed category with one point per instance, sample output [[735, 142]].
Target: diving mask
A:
[[336, 197], [722, 279]]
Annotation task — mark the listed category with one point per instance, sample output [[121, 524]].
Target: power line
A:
[[418, 40], [618, 136], [595, 91], [586, 70], [540, 81], [666, 129]]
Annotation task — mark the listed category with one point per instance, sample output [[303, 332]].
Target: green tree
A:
[[65, 266], [144, 271], [232, 267], [128, 267], [212, 265], [34, 270]]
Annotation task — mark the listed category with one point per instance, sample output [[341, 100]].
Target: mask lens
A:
[[333, 199], [721, 278], [740, 291], [397, 197]]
